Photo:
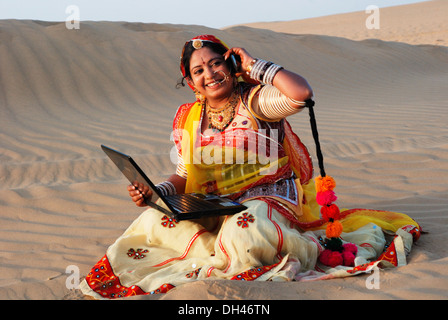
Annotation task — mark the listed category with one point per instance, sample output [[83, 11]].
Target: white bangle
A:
[[256, 72], [275, 105], [264, 71], [270, 73]]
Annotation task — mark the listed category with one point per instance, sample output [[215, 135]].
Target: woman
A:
[[234, 141]]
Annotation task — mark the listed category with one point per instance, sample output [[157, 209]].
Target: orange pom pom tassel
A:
[[330, 212], [324, 184], [334, 229]]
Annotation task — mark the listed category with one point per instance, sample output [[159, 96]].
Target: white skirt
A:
[[156, 254]]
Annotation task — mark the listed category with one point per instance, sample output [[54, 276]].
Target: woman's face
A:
[[210, 74]]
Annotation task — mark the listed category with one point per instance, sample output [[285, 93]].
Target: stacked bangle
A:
[[275, 105], [166, 188], [263, 71]]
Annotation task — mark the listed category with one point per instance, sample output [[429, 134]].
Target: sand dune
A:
[[419, 23], [382, 115]]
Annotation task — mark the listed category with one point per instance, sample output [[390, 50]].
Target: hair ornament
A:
[[336, 253], [325, 183], [197, 44]]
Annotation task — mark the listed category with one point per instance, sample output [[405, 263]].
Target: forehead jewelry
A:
[[197, 44]]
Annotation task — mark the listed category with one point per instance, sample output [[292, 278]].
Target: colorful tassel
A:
[[335, 253], [334, 229], [326, 183], [330, 212], [326, 198], [331, 258]]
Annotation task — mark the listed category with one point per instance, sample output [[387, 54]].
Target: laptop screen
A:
[[134, 174]]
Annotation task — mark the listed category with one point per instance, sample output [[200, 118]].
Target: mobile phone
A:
[[234, 63]]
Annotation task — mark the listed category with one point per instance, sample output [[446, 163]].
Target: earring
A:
[[199, 97]]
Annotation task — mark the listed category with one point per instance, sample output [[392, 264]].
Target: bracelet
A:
[[266, 67], [250, 66], [270, 73], [275, 105], [166, 188], [263, 71], [256, 69]]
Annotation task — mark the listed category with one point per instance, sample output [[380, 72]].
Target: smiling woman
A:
[[241, 105], [210, 76], [212, 71]]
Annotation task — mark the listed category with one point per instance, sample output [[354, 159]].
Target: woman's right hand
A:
[[139, 192]]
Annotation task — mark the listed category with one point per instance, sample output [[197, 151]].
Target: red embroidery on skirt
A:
[[103, 281], [193, 273], [253, 273], [390, 255], [164, 288], [168, 222], [361, 267], [139, 254], [243, 221], [413, 230]]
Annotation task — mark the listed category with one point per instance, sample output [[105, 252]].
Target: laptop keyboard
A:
[[186, 202]]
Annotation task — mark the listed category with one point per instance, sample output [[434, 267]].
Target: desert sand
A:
[[381, 107], [419, 23]]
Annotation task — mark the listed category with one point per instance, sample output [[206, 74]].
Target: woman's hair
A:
[[188, 51]]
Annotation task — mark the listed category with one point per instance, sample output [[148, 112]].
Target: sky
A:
[[211, 13]]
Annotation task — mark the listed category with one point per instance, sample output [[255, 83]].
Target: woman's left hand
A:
[[290, 84], [245, 57]]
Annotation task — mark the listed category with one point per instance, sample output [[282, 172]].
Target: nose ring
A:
[[226, 76]]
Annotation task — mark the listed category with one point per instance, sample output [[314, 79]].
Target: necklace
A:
[[220, 119]]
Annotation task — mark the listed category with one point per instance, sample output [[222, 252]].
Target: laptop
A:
[[179, 206]]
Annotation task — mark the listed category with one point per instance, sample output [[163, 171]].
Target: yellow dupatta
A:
[[226, 164]]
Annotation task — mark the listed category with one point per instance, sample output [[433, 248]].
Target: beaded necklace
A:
[[219, 119]]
